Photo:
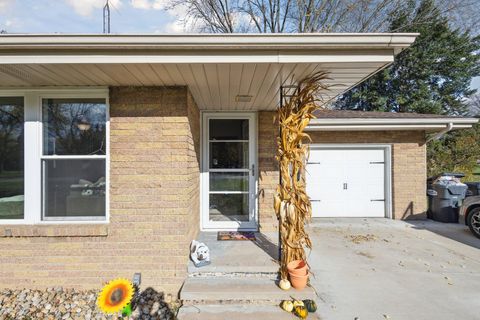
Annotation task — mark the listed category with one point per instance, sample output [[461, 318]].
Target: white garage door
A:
[[347, 182]]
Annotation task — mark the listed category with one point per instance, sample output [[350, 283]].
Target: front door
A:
[[229, 171]]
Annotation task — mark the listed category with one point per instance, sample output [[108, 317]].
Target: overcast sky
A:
[[85, 16]]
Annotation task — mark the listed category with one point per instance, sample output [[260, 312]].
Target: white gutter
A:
[[438, 135], [296, 41], [368, 124]]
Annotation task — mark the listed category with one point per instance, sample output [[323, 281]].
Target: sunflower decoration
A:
[[116, 296]]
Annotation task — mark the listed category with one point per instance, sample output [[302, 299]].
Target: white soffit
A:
[[216, 68]]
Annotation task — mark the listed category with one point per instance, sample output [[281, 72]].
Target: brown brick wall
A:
[[154, 204], [267, 169], [408, 166]]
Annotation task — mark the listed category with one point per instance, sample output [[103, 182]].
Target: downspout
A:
[[441, 133]]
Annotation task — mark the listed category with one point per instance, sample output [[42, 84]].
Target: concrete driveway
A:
[[370, 269]]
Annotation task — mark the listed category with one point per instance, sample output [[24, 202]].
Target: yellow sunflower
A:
[[115, 295]]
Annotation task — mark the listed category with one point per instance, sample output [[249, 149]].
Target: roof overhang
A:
[[215, 67], [367, 124]]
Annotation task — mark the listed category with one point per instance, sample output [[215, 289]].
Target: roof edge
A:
[[213, 41], [366, 121], [434, 124]]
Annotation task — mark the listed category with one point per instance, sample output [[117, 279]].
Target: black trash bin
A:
[[473, 188], [446, 194]]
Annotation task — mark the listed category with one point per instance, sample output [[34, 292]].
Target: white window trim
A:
[[33, 152]]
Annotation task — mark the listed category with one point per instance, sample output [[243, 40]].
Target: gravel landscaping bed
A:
[[59, 303]]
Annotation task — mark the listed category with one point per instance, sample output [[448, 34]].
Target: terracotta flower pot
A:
[[297, 267], [299, 281]]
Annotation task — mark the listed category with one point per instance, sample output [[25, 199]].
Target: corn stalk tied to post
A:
[[291, 203]]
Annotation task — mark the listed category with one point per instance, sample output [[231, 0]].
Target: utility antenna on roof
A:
[[106, 18]]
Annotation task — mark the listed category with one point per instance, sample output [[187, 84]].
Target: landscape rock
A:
[[71, 304]]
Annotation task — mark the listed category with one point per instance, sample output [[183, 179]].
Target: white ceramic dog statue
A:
[[199, 253]]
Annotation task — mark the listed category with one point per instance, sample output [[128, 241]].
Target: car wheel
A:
[[473, 220]]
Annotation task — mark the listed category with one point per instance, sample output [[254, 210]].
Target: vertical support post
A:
[[280, 182], [285, 93]]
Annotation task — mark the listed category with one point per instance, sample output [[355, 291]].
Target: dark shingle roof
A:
[[351, 114]]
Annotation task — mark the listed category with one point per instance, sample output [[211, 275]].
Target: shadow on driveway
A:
[[455, 231]]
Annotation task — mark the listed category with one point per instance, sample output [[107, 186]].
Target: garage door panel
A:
[[328, 208], [343, 182], [324, 156], [327, 171]]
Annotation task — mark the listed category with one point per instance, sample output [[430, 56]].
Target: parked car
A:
[[470, 209]]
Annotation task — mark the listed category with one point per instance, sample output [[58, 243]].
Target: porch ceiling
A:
[[215, 68]]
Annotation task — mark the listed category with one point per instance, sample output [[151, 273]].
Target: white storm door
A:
[[229, 172]]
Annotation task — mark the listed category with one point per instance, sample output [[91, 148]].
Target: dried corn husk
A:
[[291, 203]]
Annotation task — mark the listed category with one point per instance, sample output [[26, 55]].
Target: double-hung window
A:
[[73, 159], [53, 157]]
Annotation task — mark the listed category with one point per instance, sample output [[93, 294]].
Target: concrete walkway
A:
[[383, 269]]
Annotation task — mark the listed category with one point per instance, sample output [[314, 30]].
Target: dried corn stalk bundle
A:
[[291, 203]]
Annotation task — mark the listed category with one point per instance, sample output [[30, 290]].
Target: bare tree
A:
[[277, 16], [217, 16]]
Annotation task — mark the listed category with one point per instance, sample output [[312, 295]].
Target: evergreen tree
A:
[[458, 151], [433, 76]]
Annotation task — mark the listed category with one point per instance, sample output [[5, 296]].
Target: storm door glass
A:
[[229, 170]]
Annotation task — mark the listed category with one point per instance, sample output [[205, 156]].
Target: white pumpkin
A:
[[287, 305], [284, 284]]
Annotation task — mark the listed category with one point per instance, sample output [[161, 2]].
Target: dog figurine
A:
[[199, 253]]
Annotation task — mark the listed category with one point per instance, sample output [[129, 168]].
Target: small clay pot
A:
[[297, 267], [298, 281]]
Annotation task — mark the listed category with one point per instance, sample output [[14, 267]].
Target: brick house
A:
[[116, 150]]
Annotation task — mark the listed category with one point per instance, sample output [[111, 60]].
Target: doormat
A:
[[236, 235]]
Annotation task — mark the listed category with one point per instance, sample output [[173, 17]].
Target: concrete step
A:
[[259, 256], [268, 275], [267, 266], [215, 290], [236, 312]]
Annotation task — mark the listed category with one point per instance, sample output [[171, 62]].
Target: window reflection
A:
[[11, 158], [74, 126]]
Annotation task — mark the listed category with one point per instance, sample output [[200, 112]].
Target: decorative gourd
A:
[[301, 312], [298, 303], [310, 305], [284, 284], [287, 305]]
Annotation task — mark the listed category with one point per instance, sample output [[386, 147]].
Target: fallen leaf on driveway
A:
[[449, 281], [359, 238], [365, 254]]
